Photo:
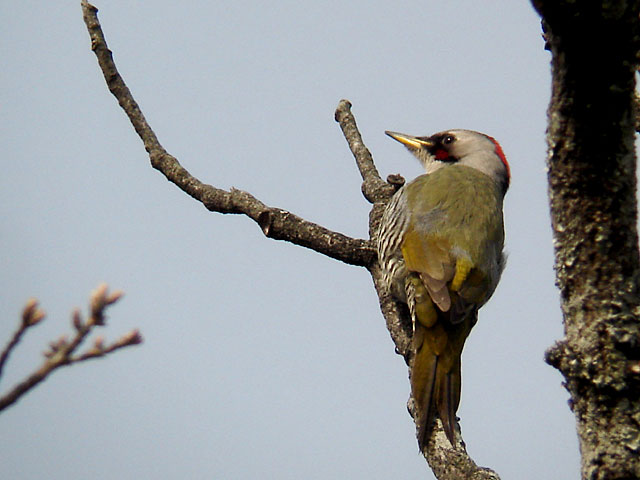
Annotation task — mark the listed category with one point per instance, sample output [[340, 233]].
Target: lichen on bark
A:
[[592, 194]]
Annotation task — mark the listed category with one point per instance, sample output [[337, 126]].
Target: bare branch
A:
[[31, 315], [373, 187], [61, 351], [100, 350], [447, 463], [274, 222]]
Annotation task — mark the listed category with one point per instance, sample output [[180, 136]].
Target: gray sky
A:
[[261, 359]]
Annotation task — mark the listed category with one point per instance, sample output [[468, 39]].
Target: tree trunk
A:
[[592, 192]]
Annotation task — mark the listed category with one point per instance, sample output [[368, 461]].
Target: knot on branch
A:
[[396, 181], [576, 366], [265, 220], [379, 191], [557, 354], [605, 370]]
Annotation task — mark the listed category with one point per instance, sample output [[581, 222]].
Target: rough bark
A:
[[447, 463], [592, 192], [274, 222]]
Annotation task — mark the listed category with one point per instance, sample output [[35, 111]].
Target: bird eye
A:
[[448, 139]]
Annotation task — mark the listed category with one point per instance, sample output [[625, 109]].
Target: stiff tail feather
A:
[[435, 382]]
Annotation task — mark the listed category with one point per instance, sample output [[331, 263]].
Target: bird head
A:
[[463, 147]]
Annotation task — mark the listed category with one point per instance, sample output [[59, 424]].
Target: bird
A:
[[441, 251]]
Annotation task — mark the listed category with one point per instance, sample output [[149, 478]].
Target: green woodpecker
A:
[[440, 248]]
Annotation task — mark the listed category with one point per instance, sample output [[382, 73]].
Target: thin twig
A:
[[61, 352], [373, 187], [31, 315], [275, 223]]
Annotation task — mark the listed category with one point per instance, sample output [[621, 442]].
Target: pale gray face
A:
[[460, 144], [463, 147]]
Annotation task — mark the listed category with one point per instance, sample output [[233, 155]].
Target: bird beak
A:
[[410, 141]]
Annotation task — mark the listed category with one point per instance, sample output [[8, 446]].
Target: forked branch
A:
[[274, 222], [62, 352], [445, 461]]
